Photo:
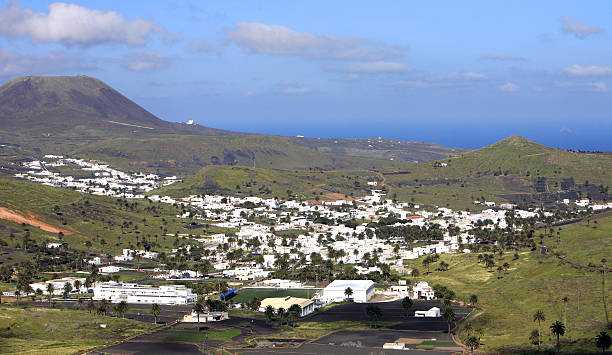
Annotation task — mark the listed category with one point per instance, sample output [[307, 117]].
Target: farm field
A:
[[247, 294]]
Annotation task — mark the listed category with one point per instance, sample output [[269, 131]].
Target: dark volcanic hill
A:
[[65, 105]]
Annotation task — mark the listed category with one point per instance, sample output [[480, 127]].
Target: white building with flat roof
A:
[[134, 293], [363, 290]]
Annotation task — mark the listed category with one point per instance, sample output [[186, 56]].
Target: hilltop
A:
[[58, 113], [514, 169]]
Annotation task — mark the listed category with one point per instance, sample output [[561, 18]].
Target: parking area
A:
[[391, 312]]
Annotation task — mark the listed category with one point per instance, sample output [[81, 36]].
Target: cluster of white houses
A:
[[104, 180]]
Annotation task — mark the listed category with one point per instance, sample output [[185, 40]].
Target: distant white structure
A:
[[363, 290], [134, 293], [306, 305], [432, 312], [110, 269], [58, 285], [189, 122], [422, 291], [205, 317]]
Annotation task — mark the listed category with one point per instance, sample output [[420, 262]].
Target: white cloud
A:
[[280, 40], [465, 80], [590, 70], [503, 57], [145, 61], [594, 86], [12, 64], [373, 67], [296, 90], [74, 25], [509, 87], [466, 76], [579, 29], [565, 130]]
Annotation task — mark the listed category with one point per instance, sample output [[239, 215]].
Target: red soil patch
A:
[[29, 218]]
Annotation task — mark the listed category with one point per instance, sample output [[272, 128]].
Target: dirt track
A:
[[29, 218]]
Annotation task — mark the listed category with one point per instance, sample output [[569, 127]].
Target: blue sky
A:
[[459, 73]]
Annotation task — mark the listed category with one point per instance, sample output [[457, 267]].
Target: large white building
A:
[[134, 293], [363, 290]]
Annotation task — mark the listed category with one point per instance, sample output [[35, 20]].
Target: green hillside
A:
[[512, 169], [536, 282], [186, 154], [89, 223], [379, 148], [244, 181]]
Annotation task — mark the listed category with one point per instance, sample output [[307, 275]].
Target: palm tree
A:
[[348, 292], [474, 300], [294, 312], [558, 329], [155, 311], [103, 306], [407, 304], [539, 317], [123, 308], [77, 285], [374, 312], [449, 317], [198, 309], [281, 315], [603, 341], [91, 306], [269, 313], [472, 342], [50, 290]]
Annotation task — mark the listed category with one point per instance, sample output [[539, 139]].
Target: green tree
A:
[[449, 316], [103, 306], [534, 337], [269, 313], [91, 307], [603, 341], [348, 292], [155, 311], [539, 317], [123, 308], [50, 290], [472, 342], [67, 289], [558, 329], [282, 314], [407, 303], [294, 312], [198, 309], [374, 313], [474, 300]]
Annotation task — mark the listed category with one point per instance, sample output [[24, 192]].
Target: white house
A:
[[432, 312], [306, 305], [363, 290], [134, 293], [109, 269], [422, 291]]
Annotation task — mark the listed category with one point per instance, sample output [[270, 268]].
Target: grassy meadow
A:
[[535, 282]]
